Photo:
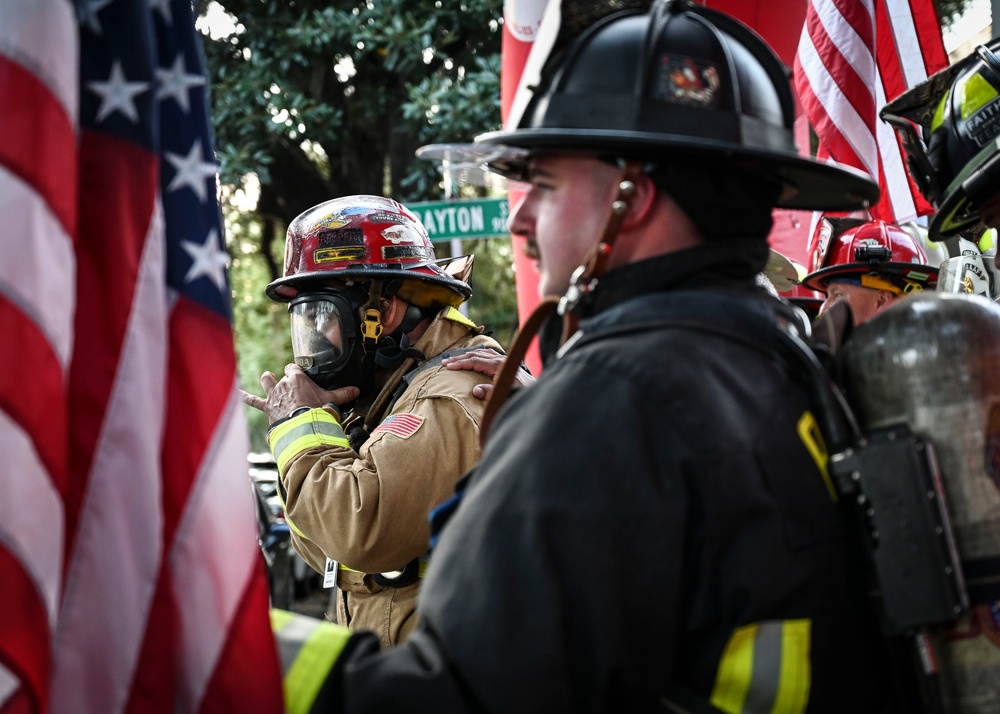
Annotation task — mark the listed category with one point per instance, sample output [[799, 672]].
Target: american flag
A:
[[402, 425], [854, 56], [131, 575]]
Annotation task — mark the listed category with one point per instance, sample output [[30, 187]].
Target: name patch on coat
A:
[[402, 425]]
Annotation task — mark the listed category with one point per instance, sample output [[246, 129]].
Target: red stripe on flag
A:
[[192, 416], [856, 15], [24, 633], [915, 23], [19, 703], [249, 651], [888, 60], [834, 141], [38, 137], [201, 353], [928, 27], [156, 672], [118, 182], [44, 421], [846, 77]]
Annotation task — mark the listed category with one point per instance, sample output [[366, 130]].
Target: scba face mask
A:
[[326, 338]]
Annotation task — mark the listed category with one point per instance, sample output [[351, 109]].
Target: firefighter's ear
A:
[[393, 312], [642, 202], [884, 298]]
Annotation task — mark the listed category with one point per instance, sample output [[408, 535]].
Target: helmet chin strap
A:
[[586, 276], [371, 325], [583, 282]]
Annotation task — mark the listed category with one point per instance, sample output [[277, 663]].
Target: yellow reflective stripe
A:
[[765, 667], [796, 667], [976, 92], [909, 286], [733, 678], [812, 439], [309, 650], [986, 242], [455, 316], [938, 118], [316, 427]]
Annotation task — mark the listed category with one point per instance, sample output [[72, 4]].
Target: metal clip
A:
[[371, 326], [578, 287]]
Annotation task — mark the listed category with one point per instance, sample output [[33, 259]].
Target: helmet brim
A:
[[808, 184], [958, 210], [450, 291], [923, 274]]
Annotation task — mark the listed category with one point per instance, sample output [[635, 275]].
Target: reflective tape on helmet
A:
[[765, 668], [974, 94], [899, 288], [316, 427], [309, 649], [938, 118]]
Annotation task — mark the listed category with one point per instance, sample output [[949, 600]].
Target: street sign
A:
[[463, 218]]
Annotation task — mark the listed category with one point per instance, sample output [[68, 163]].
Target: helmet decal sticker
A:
[[330, 255], [388, 217], [339, 244], [333, 221], [403, 234], [395, 252], [683, 80], [984, 125]]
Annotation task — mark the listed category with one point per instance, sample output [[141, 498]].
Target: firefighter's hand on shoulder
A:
[[294, 391], [488, 362]]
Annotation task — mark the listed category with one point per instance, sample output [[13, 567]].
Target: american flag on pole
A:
[[854, 56], [131, 575]]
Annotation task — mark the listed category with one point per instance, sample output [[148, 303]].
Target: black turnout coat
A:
[[647, 523]]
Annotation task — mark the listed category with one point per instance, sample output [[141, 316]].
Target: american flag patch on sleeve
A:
[[402, 425]]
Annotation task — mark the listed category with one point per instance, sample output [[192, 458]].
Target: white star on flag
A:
[[175, 82], [208, 260], [117, 94], [191, 170], [88, 14]]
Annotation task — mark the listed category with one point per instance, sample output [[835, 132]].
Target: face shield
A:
[[325, 332]]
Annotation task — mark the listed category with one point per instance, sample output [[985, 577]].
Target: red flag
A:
[[854, 56], [131, 572], [522, 20]]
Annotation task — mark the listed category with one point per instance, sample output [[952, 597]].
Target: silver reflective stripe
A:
[[293, 635], [766, 677], [310, 428]]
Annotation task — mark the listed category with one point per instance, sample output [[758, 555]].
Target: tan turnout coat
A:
[[368, 511]]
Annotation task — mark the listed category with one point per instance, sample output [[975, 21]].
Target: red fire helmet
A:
[[874, 254], [361, 239]]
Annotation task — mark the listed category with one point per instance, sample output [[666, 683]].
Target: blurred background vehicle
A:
[[292, 583]]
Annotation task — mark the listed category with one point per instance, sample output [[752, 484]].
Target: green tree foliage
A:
[[322, 98], [949, 10], [315, 99]]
